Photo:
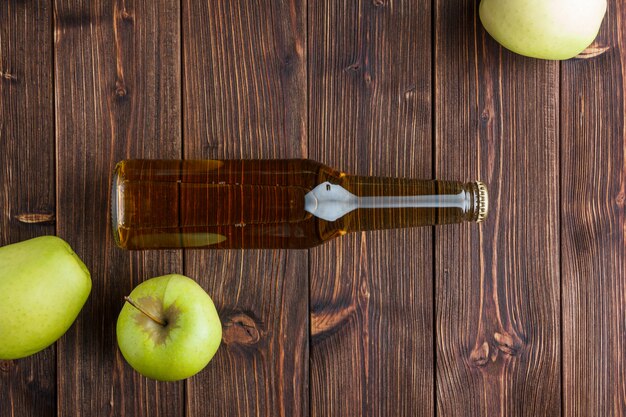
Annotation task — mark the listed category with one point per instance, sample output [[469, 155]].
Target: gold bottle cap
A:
[[483, 202]]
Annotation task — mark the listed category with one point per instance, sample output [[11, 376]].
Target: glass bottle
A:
[[280, 203]]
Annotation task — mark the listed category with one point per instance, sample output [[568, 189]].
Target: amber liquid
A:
[[259, 204]]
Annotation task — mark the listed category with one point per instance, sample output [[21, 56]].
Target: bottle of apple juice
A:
[[281, 203]]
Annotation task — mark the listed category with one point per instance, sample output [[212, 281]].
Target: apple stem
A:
[[147, 313]]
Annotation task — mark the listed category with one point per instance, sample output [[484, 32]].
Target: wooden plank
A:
[[593, 190], [117, 68], [27, 386], [497, 302], [371, 293], [245, 97]]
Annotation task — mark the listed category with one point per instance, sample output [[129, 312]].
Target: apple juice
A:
[[282, 203]]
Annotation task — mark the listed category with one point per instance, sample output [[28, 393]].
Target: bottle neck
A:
[[357, 203]]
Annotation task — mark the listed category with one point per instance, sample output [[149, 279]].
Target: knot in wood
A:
[[593, 51], [354, 67], [121, 91], [127, 16], [6, 75], [409, 93], [327, 321], [240, 329], [365, 290], [289, 60], [5, 366], [480, 355], [509, 344], [485, 116], [34, 218]]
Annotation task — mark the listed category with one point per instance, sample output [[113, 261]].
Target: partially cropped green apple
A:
[[43, 286], [168, 328], [547, 29]]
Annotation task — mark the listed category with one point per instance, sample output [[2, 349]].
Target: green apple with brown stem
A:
[[547, 29], [43, 287], [168, 328]]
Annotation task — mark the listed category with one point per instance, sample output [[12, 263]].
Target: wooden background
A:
[[522, 316]]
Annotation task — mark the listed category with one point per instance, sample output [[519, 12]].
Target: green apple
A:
[[547, 29], [168, 328], [43, 286]]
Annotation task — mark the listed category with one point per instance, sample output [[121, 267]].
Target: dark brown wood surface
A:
[[27, 187], [524, 315], [117, 95], [371, 293], [593, 225], [497, 286], [245, 97]]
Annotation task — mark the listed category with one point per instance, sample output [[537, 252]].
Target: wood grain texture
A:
[[27, 386], [593, 195], [497, 285], [117, 77], [463, 321], [244, 94], [371, 293]]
